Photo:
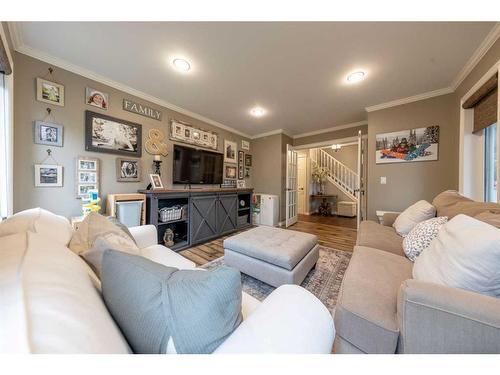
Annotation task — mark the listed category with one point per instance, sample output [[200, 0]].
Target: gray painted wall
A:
[[72, 116]]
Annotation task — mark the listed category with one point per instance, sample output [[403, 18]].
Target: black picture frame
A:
[[241, 166], [89, 142]]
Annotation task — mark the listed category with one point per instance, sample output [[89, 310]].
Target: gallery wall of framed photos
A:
[[69, 97]]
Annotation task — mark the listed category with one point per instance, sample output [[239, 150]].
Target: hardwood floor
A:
[[333, 236], [340, 221]]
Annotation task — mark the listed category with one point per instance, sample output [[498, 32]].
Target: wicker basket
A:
[[167, 214]]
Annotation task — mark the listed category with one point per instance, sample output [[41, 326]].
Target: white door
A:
[[302, 183], [291, 186], [359, 192]]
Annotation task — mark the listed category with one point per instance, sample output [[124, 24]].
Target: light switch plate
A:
[[383, 180]]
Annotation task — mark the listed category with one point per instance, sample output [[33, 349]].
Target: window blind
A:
[[485, 104], [5, 67]]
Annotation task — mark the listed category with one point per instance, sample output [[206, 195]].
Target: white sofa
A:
[[51, 302]]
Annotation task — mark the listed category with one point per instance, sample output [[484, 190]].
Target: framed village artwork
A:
[[420, 144], [185, 133]]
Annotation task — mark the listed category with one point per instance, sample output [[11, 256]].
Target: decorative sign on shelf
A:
[[143, 110], [187, 134]]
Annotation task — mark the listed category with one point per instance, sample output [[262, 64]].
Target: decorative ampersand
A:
[[154, 144]]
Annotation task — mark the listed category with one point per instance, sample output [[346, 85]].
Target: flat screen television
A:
[[194, 166]]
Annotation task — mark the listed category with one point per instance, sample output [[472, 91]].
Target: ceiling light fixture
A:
[[257, 111], [356, 77], [181, 65]]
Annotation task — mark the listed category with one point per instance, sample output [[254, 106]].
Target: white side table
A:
[[380, 215]]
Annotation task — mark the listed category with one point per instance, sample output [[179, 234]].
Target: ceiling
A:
[[295, 70]]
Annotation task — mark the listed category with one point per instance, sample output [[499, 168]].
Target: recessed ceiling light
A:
[[181, 65], [356, 77], [257, 111]]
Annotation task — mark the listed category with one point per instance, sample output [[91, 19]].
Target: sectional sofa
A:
[[381, 309]]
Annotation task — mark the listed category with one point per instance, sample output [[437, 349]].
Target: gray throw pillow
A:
[[151, 303], [122, 226]]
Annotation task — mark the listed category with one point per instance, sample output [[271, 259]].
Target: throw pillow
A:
[[465, 254], [41, 221], [421, 236], [416, 213], [95, 226], [153, 304], [122, 226]]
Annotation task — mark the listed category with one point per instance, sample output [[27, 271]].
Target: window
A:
[[490, 163], [5, 149]]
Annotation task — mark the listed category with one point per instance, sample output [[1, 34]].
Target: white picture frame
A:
[[48, 175], [230, 152], [240, 184], [156, 182], [245, 145], [96, 98], [49, 92], [48, 133], [87, 175]]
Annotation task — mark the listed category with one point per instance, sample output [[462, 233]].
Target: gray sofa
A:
[[381, 309]]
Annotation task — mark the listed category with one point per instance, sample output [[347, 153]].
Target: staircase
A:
[[344, 178]]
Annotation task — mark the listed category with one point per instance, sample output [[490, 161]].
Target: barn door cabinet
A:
[[207, 214]]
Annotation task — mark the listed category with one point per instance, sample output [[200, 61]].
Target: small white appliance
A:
[[266, 209]]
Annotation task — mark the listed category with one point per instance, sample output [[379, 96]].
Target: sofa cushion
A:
[[40, 221], [365, 315], [416, 213], [450, 203], [421, 236], [61, 308], [465, 255], [378, 236], [492, 218]]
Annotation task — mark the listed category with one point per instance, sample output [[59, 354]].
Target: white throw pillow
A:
[[416, 213], [52, 295], [421, 236], [465, 254], [40, 221]]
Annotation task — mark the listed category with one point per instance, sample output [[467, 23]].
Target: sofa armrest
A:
[[437, 319], [290, 320], [389, 218], [144, 235]]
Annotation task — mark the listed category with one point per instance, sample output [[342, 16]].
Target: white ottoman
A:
[[272, 255]]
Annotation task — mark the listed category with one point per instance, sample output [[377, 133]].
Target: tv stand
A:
[[207, 213]]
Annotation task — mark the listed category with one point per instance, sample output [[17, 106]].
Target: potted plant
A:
[[319, 176]]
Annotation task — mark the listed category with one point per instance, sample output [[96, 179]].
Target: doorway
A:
[[302, 189]]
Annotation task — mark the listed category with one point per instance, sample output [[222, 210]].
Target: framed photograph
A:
[[128, 170], [111, 135], [96, 98], [87, 164], [48, 133], [248, 160], [247, 172], [49, 92], [240, 184], [241, 165], [156, 181], [187, 134], [86, 176], [47, 175], [85, 189], [420, 144], [230, 152], [245, 145], [230, 172]]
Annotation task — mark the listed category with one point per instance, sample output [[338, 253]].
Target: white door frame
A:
[[359, 194], [291, 187], [306, 183]]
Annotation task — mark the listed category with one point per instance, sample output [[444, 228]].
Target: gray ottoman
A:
[[272, 255]]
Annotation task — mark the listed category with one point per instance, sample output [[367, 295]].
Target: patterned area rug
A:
[[323, 281]]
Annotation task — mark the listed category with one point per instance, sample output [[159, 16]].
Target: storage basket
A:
[[170, 213]]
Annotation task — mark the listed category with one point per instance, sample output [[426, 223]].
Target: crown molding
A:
[[410, 99], [269, 133], [63, 64], [332, 129], [478, 54]]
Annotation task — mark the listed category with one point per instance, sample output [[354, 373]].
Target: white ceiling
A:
[[295, 70]]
